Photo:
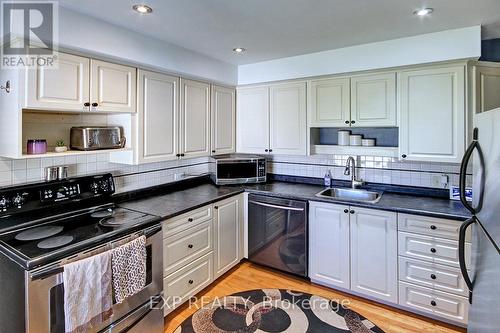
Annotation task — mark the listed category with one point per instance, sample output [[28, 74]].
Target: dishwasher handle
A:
[[276, 206]]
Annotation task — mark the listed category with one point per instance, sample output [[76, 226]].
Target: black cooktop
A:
[[60, 237]]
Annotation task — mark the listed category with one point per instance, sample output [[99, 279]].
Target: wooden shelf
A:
[[355, 150], [75, 153]]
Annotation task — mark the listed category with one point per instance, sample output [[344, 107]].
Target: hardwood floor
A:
[[247, 276]]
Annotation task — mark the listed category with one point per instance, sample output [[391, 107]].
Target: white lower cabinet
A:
[[329, 244], [374, 265], [354, 248], [228, 219], [199, 246]]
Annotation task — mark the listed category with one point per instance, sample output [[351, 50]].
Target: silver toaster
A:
[[97, 137]]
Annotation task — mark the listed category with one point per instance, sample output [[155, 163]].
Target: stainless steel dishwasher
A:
[[277, 233]]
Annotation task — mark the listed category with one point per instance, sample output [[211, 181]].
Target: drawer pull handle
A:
[[190, 246], [346, 211], [190, 281], [433, 250], [190, 219], [433, 303], [433, 227], [433, 276], [352, 211], [216, 207]]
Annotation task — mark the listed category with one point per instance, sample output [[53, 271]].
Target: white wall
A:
[[440, 46], [86, 34]]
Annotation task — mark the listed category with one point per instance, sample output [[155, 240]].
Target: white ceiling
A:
[[271, 29]]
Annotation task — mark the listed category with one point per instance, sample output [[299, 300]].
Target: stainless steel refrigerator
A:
[[483, 277]]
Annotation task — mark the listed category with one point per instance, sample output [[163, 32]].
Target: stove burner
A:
[[102, 213], [38, 233], [120, 217], [54, 242]]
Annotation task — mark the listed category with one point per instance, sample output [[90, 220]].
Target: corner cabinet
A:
[[223, 120], [374, 253], [329, 244], [433, 126], [158, 113], [272, 119], [228, 234], [194, 119]]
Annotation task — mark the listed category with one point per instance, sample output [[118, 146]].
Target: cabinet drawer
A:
[[185, 246], [440, 277], [186, 220], [441, 304], [436, 250], [185, 283], [430, 226]]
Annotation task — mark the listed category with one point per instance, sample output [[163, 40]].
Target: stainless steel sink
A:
[[349, 194]]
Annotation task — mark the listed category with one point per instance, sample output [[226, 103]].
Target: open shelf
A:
[[75, 153], [355, 150]]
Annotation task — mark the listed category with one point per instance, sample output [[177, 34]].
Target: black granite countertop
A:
[[174, 200], [402, 203]]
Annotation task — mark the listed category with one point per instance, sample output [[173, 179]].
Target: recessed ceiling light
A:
[[423, 12], [143, 9], [239, 49]]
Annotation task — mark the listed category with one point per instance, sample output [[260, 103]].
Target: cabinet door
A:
[[329, 103], [288, 119], [195, 119], [433, 114], [252, 120], [113, 87], [223, 120], [228, 217], [329, 244], [65, 88], [157, 117], [374, 254], [373, 100], [486, 81]]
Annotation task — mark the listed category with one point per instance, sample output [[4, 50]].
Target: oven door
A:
[[45, 290], [236, 172]]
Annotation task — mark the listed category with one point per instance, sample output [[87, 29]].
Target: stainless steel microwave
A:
[[238, 169]]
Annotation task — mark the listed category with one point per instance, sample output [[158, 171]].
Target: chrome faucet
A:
[[350, 169]]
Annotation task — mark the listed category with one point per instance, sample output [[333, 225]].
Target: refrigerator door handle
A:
[[461, 254], [463, 174]]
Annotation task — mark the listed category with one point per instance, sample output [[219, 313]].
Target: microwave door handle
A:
[[461, 254], [276, 206]]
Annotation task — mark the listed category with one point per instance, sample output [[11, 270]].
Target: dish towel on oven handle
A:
[[87, 293], [128, 263]]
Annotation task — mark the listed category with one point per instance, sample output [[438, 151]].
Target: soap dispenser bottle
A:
[[328, 179]]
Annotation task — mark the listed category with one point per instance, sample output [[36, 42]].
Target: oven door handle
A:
[[127, 323], [276, 206]]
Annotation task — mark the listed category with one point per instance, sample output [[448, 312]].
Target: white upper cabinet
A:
[[113, 87], [252, 120], [63, 88], [374, 253], [329, 103], [288, 119], [194, 119], [223, 120], [373, 100], [157, 117], [329, 244], [486, 80], [433, 114]]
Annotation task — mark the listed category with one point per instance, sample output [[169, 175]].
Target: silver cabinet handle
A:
[[276, 206]]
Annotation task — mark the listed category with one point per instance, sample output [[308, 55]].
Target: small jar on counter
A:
[[36, 146]]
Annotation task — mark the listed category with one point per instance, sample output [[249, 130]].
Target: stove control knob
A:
[[94, 187], [4, 204], [104, 186], [18, 200]]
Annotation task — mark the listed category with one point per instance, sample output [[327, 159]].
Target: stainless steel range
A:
[[45, 226]]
